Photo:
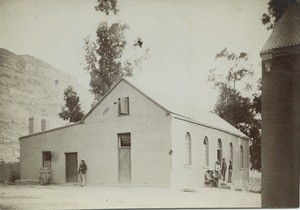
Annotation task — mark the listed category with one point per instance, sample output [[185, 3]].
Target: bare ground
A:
[[95, 197]]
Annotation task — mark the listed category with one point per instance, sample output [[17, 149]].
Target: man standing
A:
[[81, 172], [224, 167]]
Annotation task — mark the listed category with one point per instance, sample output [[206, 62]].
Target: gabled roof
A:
[[172, 106], [286, 32], [183, 111], [112, 88]]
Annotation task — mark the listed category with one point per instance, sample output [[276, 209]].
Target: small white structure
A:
[[130, 138]]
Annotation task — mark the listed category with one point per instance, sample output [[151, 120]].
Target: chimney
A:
[[44, 125], [31, 125]]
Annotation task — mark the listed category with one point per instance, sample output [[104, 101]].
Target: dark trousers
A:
[[223, 174], [229, 176]]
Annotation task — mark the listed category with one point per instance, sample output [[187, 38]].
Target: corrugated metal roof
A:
[[286, 32]]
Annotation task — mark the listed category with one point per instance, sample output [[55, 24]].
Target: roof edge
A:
[[51, 130], [293, 49], [97, 104], [112, 88], [209, 126]]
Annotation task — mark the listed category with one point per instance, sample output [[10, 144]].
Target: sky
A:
[[183, 37]]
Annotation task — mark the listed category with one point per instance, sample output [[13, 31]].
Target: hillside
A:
[[30, 87]]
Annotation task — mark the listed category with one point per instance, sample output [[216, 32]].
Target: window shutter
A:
[[124, 105]]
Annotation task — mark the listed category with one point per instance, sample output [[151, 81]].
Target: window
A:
[[241, 157], [47, 159], [123, 106], [205, 142], [188, 149], [124, 140], [219, 150], [231, 151]]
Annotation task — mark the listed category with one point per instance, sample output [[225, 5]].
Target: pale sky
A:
[[183, 37]]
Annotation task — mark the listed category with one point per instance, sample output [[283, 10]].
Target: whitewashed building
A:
[[130, 138]]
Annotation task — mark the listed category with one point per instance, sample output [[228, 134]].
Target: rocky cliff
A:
[[30, 87]]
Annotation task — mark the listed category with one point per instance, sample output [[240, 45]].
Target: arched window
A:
[[188, 149], [219, 150], [205, 143], [241, 157], [231, 151]]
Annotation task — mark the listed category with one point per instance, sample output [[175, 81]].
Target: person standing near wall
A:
[[230, 169], [81, 172], [224, 168], [217, 170]]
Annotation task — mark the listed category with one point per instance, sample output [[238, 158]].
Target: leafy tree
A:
[[255, 132], [72, 110], [233, 69], [275, 10], [233, 107], [107, 6], [104, 57], [240, 111]]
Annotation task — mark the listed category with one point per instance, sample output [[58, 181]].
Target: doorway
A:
[[71, 167], [219, 151], [124, 141]]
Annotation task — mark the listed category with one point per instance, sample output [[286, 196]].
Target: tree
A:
[[72, 110], [104, 57], [232, 70], [275, 10], [240, 111], [255, 132], [107, 6]]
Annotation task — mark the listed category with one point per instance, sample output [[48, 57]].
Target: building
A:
[[129, 138], [281, 112]]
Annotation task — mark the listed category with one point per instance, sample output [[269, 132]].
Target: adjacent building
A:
[[281, 112], [129, 138]]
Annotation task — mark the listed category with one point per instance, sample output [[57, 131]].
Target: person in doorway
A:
[[230, 170], [81, 171], [223, 169]]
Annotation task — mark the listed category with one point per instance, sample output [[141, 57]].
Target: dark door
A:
[[71, 167]]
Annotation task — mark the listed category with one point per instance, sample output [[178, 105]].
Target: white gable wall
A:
[[150, 138]]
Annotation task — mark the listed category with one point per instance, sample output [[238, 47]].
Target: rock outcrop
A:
[[30, 87]]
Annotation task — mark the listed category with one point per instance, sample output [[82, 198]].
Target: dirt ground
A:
[[95, 197]]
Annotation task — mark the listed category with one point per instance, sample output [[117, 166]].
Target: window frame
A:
[[120, 140], [231, 151], [46, 157], [206, 152], [188, 150], [119, 107], [241, 157]]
